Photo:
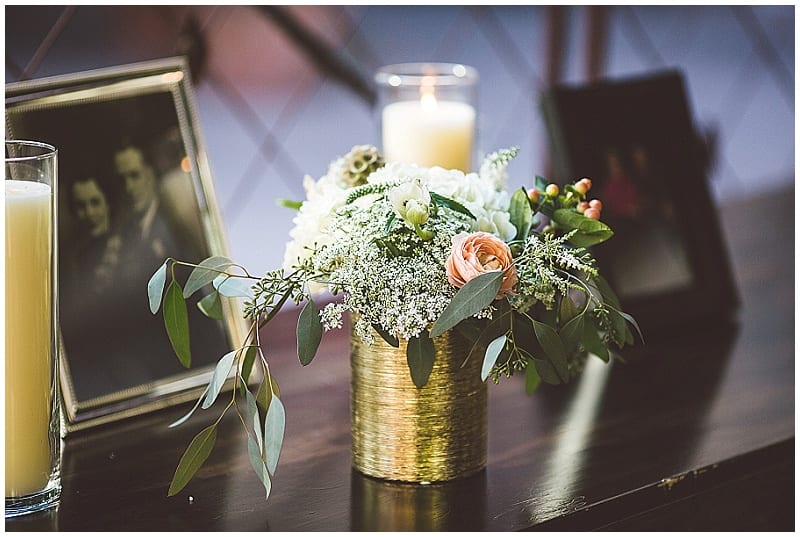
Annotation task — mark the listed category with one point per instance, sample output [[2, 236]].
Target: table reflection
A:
[[379, 505]]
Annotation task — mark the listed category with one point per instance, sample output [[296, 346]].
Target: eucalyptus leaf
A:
[[571, 333], [492, 352], [499, 325], [532, 378], [218, 378], [247, 363], [476, 294], [189, 414], [443, 201], [258, 465], [619, 328], [264, 395], [546, 371], [155, 287], [631, 320], [211, 306], [205, 273], [420, 354], [193, 458], [589, 231], [309, 332], [567, 309], [176, 320], [274, 427], [274, 385], [608, 293], [255, 420], [551, 343], [233, 286], [521, 215], [593, 343], [387, 337]]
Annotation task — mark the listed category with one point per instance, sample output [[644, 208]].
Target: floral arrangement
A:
[[413, 252]]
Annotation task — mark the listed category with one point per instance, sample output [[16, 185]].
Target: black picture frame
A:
[[635, 139], [110, 125]]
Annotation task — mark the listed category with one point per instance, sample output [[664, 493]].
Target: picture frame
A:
[[634, 138], [134, 188]]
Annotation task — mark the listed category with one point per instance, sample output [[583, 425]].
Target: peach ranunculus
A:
[[474, 254]]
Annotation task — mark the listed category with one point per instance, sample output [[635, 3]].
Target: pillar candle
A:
[[28, 336], [428, 132]]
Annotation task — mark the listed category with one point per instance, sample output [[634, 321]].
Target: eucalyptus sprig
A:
[[262, 415]]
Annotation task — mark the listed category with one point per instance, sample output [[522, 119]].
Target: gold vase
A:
[[404, 433]]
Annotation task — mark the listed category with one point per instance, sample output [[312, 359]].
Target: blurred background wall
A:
[[282, 90]]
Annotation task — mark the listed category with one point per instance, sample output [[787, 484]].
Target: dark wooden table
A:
[[695, 434]]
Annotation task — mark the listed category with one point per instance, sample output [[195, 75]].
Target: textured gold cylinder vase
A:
[[404, 433]]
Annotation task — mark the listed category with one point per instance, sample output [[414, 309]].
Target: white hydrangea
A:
[[483, 196], [309, 233]]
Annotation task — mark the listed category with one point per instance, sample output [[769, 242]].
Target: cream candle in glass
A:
[[428, 114], [32, 426]]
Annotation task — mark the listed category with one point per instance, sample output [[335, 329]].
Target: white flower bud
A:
[[414, 191]]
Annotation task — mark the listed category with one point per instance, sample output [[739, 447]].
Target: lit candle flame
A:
[[426, 90]]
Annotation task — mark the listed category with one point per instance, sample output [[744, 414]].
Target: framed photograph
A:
[[636, 141], [133, 189]]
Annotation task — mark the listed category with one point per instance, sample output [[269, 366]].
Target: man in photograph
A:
[[145, 227]]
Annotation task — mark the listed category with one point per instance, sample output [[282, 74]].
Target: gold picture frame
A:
[[134, 188]]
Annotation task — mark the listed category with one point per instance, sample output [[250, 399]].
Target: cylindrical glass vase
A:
[[33, 420], [421, 435], [428, 114]]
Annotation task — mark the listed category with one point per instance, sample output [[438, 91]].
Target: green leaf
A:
[[590, 231], [552, 346], [492, 352], [571, 333], [540, 183], [532, 378], [521, 214], [420, 356], [387, 337], [390, 224], [289, 204], [247, 363], [255, 420], [608, 294], [176, 319], [443, 201], [620, 333], [205, 273], [155, 287], [211, 306], [631, 320], [567, 309], [218, 378], [264, 396], [274, 427], [593, 343], [546, 371], [233, 286], [309, 332], [196, 454], [478, 293], [499, 325], [189, 414], [258, 464]]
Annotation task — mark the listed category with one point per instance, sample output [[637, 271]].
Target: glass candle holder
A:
[[33, 417], [428, 114]]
